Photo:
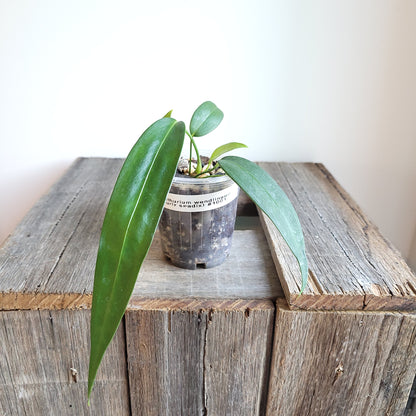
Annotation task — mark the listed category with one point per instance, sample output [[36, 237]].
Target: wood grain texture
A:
[[208, 330], [188, 357], [248, 273], [44, 366], [351, 265], [341, 363], [49, 261]]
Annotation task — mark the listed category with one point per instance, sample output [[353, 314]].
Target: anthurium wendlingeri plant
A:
[[137, 202]]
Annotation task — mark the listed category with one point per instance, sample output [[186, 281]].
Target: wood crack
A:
[[208, 320], [204, 370], [74, 198], [338, 242], [342, 194], [126, 358], [411, 287], [60, 255], [365, 302]]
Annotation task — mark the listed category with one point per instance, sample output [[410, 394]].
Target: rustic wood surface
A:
[[212, 329], [49, 261], [248, 273], [351, 265], [44, 366], [192, 357], [341, 363]]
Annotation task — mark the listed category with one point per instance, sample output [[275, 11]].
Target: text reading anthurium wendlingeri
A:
[[202, 202]]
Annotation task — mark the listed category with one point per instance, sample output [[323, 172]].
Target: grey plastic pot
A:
[[197, 223]]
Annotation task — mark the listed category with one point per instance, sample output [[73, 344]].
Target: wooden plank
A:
[[44, 366], [248, 273], [49, 261], [341, 363], [351, 265], [196, 357]]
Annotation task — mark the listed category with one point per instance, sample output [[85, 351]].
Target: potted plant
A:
[[137, 202], [198, 219]]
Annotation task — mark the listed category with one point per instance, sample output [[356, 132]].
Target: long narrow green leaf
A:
[[129, 225], [206, 118], [225, 148], [271, 199]]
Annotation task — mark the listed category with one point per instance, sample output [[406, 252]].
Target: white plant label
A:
[[204, 202]]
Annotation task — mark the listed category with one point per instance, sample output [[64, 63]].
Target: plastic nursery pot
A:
[[198, 219]]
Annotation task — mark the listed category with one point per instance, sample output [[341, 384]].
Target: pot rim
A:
[[187, 180]]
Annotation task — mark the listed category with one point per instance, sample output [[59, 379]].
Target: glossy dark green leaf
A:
[[206, 118], [129, 225], [271, 199], [225, 148]]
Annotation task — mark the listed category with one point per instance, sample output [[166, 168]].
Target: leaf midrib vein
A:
[[130, 220]]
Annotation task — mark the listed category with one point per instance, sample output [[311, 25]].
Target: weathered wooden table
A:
[[222, 341]]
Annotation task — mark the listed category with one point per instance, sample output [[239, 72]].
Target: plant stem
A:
[[198, 157], [190, 157], [206, 171]]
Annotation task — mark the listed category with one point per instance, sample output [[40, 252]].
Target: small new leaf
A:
[[205, 119], [225, 148]]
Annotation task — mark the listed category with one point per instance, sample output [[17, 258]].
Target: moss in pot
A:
[[137, 203]]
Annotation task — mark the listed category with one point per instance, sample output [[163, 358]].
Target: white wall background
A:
[[323, 80]]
